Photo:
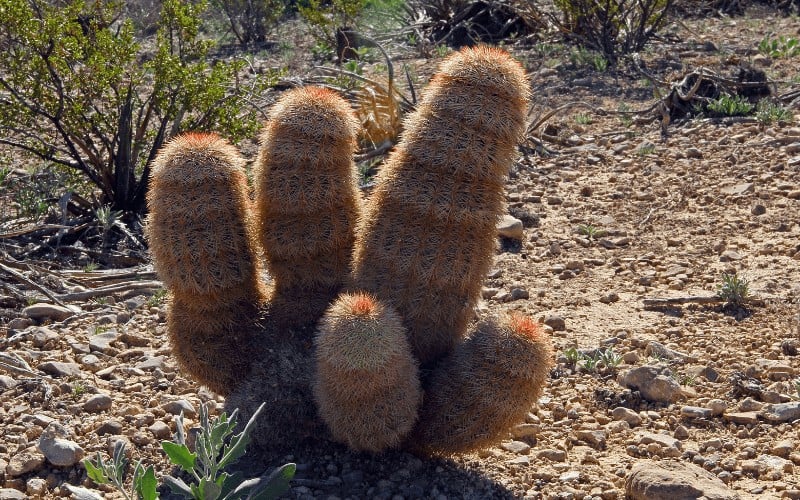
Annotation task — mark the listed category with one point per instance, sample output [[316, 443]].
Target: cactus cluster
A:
[[365, 326]]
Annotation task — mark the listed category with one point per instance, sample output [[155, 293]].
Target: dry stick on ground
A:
[[673, 301], [111, 289], [28, 282]]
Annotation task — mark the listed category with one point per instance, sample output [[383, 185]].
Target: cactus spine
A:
[[427, 238], [485, 387], [307, 201], [205, 252], [367, 386]]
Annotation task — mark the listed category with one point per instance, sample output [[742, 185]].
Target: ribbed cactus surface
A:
[[367, 384], [199, 231], [485, 387], [427, 238], [307, 201]]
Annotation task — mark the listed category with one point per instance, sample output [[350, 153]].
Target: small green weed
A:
[[573, 355], [99, 329], [728, 105], [78, 390], [589, 363], [4, 173], [646, 149], [779, 47], [767, 113], [583, 119], [610, 358], [588, 230], [685, 379], [734, 290], [101, 472], [157, 298], [91, 266]]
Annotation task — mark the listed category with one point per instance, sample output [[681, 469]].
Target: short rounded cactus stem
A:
[[307, 201], [428, 235], [484, 388], [204, 250], [367, 383]]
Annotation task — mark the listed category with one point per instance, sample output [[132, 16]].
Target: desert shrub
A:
[[327, 17], [612, 27], [251, 20], [466, 22], [79, 91]]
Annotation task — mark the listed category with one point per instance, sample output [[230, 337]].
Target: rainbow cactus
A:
[[204, 249], [307, 201], [412, 271], [367, 386]]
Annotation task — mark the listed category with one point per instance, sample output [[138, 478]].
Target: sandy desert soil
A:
[[616, 216]]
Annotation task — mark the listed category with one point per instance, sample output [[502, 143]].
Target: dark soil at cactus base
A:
[[617, 218]]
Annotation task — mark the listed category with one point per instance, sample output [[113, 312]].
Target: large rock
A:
[[666, 480], [652, 383], [57, 449], [42, 311], [60, 369], [24, 462], [782, 412], [510, 227]]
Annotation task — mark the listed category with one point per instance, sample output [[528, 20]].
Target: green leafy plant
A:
[[779, 47], [573, 355], [646, 149], [589, 230], [589, 363], [611, 27], [768, 112], [730, 105], [91, 266], [610, 358], [583, 119], [734, 290], [157, 298], [217, 447], [101, 472], [80, 92]]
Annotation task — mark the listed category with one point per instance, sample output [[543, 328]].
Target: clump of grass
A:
[[734, 290]]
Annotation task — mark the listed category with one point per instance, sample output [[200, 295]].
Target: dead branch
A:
[[111, 289], [21, 277], [673, 301]]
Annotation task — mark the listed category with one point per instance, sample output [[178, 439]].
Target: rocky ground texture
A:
[[649, 399]]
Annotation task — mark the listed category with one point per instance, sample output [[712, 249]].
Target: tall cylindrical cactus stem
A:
[[307, 201], [428, 235], [486, 386], [205, 252], [367, 384]]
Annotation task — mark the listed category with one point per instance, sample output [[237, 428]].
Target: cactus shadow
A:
[[326, 469]]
